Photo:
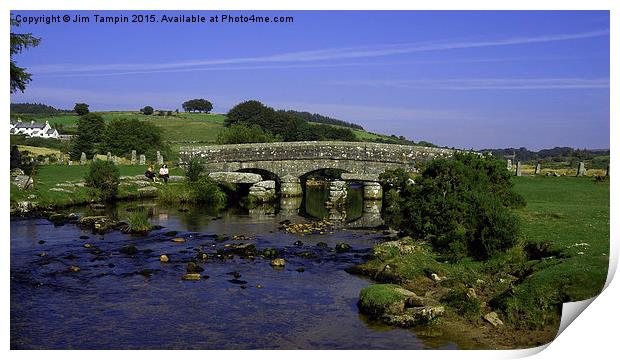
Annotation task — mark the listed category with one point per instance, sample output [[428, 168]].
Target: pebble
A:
[[192, 276], [164, 258], [178, 240]]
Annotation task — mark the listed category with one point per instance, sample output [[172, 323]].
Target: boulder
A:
[[148, 190], [235, 177], [164, 258], [23, 181], [493, 319]]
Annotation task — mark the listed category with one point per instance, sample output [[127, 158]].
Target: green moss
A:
[[378, 299]]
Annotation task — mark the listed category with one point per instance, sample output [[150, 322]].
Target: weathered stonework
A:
[[235, 177], [372, 190], [509, 164], [142, 159], [290, 186], [518, 169], [299, 158], [263, 191], [133, 157], [160, 159], [109, 156], [83, 158]]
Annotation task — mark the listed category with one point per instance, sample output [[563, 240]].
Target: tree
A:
[[147, 110], [81, 109], [123, 135], [16, 157], [200, 105], [20, 42], [249, 112], [103, 177], [89, 130]]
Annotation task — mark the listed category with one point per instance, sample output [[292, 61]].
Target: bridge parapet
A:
[[314, 150]]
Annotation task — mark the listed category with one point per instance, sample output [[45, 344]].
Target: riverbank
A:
[[562, 256], [59, 186]]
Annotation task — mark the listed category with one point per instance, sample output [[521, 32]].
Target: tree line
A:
[[252, 121], [555, 154], [322, 119]]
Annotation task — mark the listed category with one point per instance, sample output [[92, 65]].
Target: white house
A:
[[32, 129]]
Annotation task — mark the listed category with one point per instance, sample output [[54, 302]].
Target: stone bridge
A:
[[290, 161]]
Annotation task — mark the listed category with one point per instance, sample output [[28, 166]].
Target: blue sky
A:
[[473, 79]]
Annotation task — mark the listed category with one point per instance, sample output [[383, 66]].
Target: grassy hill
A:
[[178, 129]]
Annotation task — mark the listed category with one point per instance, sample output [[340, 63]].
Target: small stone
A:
[[259, 286], [178, 240], [471, 293], [493, 319], [88, 246], [321, 244], [74, 268], [192, 268], [279, 262], [191, 276], [204, 256], [435, 277], [342, 247], [298, 243], [42, 254], [129, 250], [41, 242], [164, 258]]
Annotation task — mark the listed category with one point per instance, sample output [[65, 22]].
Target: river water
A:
[[119, 301]]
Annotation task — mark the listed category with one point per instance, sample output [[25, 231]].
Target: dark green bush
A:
[[244, 134], [103, 177], [194, 170], [461, 205]]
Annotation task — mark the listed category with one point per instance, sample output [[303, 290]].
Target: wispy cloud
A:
[[331, 54], [484, 84]]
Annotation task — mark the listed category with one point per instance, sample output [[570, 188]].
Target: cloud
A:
[[485, 84], [315, 55]]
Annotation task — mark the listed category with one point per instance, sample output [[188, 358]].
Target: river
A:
[[119, 301]]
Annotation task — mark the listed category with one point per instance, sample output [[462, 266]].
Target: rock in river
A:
[[192, 268], [343, 247], [129, 250], [279, 262], [192, 276], [164, 258]]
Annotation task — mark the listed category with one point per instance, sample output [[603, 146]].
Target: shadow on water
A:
[[133, 301]]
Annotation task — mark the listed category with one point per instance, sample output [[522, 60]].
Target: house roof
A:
[[50, 131], [27, 125]]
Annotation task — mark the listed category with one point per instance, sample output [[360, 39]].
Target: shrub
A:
[[202, 191], [103, 177], [194, 170], [138, 222], [461, 205], [244, 134]]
